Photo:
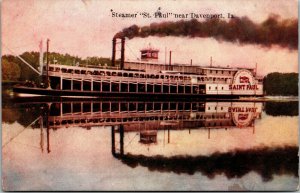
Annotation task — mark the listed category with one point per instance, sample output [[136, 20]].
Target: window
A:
[[215, 108], [210, 71], [208, 108], [229, 72], [216, 88], [221, 108], [209, 88], [222, 87], [222, 72], [216, 72]]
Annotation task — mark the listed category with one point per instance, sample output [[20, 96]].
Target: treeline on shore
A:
[[14, 70], [287, 108], [281, 84]]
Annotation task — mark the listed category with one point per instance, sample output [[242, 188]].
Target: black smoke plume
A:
[[265, 161], [272, 31]]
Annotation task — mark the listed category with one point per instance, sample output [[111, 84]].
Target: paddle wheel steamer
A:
[[147, 78]]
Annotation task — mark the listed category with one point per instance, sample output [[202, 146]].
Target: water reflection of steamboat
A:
[[141, 135], [147, 77], [149, 119], [154, 115]]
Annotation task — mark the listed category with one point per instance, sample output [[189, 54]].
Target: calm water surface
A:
[[118, 145]]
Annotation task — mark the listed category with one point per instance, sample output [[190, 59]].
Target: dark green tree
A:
[[10, 71], [281, 84]]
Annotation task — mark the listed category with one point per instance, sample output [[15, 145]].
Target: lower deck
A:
[[113, 86]]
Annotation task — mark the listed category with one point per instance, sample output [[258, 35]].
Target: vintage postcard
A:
[[132, 95]]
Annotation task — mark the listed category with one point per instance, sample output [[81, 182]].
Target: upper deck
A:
[[152, 67], [151, 73]]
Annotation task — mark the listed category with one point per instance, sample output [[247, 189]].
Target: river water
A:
[[159, 145]]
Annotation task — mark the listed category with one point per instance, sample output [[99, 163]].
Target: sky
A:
[[86, 28]]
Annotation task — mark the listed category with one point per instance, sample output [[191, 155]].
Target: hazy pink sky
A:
[[85, 28]]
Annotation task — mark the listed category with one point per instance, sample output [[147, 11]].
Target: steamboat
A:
[[146, 78]]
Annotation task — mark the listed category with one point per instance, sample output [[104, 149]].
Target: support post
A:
[[61, 83], [92, 106], [72, 82], [110, 86]]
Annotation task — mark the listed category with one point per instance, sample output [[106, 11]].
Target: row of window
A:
[[215, 108], [216, 88], [55, 108], [123, 74], [134, 75], [130, 119], [222, 72]]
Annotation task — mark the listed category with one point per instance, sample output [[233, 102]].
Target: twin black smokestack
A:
[[113, 58], [272, 31]]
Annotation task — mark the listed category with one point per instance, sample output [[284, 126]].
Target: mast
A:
[[255, 69], [41, 57], [165, 56], [170, 60], [47, 65]]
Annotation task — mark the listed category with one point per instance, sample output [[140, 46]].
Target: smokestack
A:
[[113, 58], [122, 52]]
